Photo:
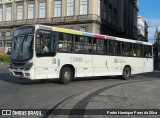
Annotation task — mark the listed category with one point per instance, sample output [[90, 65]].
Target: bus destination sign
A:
[[24, 30]]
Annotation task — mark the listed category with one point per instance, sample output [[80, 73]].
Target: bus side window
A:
[[105, 46], [148, 52], [133, 50], [78, 44], [100, 46], [94, 46], [70, 46], [118, 48], [138, 50], [125, 49], [110, 47], [87, 42], [61, 42], [89, 45], [142, 50]]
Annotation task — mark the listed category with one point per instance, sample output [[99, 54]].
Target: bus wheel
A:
[[65, 75], [126, 73]]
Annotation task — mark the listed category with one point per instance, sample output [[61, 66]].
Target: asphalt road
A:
[[25, 94]]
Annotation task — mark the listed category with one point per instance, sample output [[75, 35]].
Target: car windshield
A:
[[22, 47]]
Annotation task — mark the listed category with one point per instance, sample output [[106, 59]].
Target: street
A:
[[25, 94]]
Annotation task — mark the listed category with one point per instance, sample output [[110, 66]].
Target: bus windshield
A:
[[22, 47]]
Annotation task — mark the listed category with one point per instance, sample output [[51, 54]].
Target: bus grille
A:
[[18, 64], [18, 73]]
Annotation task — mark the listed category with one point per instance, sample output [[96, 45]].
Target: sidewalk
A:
[[4, 64]]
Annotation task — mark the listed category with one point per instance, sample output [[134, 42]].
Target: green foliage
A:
[[5, 58]]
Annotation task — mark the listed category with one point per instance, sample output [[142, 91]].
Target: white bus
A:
[[45, 52]]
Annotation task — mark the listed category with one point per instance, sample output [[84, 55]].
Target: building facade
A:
[[156, 50], [142, 29], [109, 17]]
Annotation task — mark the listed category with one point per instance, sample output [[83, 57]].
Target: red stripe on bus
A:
[[99, 36]]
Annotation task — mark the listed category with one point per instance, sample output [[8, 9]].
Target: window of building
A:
[[1, 14], [30, 11], [19, 12], [8, 13], [58, 8], [7, 33], [8, 44], [114, 16], [42, 9], [83, 29], [69, 28], [83, 7], [99, 8], [70, 7], [105, 11], [109, 12]]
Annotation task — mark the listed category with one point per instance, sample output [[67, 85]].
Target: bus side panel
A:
[[99, 65], [46, 68], [81, 62], [148, 64], [136, 64], [105, 65], [114, 65]]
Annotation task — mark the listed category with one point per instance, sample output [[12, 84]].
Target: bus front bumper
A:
[[22, 74]]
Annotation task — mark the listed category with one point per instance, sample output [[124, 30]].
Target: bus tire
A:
[[126, 73], [65, 75]]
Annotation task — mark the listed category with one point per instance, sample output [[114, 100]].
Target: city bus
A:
[[46, 52]]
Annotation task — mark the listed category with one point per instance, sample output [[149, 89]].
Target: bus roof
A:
[[76, 32]]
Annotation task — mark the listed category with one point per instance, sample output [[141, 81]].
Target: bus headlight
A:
[[29, 66]]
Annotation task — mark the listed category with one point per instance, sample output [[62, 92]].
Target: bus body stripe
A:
[[79, 33], [67, 31], [87, 34], [99, 36]]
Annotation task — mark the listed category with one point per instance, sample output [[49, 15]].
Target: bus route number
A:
[[76, 59]]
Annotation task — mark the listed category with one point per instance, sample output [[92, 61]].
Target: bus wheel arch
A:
[[67, 73], [127, 72]]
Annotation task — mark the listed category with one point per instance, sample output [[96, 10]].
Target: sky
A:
[[150, 11]]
